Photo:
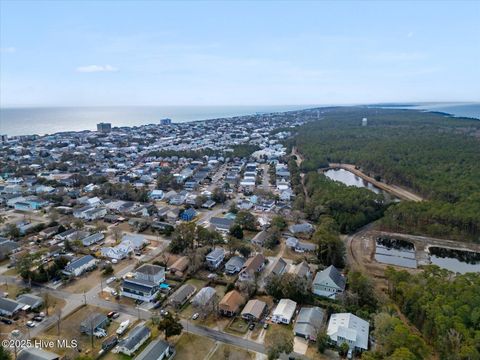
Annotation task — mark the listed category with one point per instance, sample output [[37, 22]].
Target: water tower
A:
[[364, 122]]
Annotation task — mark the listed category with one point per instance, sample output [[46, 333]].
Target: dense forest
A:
[[432, 154], [350, 207], [446, 309]]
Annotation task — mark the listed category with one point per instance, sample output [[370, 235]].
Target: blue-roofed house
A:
[[188, 215]]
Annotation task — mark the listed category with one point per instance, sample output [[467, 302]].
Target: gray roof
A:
[[216, 253], [92, 239], [222, 223], [149, 269], [7, 246], [182, 293], [236, 261], [9, 305], [79, 263], [279, 266], [32, 300], [135, 336], [309, 321], [36, 354], [153, 350], [138, 284], [301, 228], [93, 321], [330, 273]]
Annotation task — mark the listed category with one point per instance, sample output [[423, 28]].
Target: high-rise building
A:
[[3, 138], [166, 121], [104, 127]]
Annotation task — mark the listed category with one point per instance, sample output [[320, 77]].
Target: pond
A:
[[395, 252], [455, 260], [350, 179]]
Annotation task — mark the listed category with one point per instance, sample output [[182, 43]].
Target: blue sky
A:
[[237, 53]]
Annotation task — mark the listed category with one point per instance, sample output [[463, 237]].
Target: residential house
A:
[[31, 301], [156, 350], [328, 283], [302, 270], [93, 322], [254, 310], [230, 303], [350, 329], [93, 239], [149, 272], [136, 338], [252, 266], [279, 267], [179, 266], [156, 194], [79, 266], [188, 215], [139, 289], [284, 311], [222, 224], [309, 322], [36, 353], [9, 307], [215, 257], [182, 295], [301, 229], [299, 246], [234, 265], [260, 238], [204, 297]]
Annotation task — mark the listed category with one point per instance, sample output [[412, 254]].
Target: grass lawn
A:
[[70, 329], [198, 283], [85, 282], [229, 352], [11, 289], [238, 326], [193, 347]]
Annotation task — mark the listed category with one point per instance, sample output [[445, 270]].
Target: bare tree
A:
[[116, 234]]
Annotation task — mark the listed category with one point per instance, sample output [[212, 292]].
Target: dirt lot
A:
[[193, 347], [229, 352]]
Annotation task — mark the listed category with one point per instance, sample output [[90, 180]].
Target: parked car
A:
[[111, 280], [30, 324], [6, 321], [265, 326], [37, 318], [251, 326], [115, 315], [157, 305], [195, 316]]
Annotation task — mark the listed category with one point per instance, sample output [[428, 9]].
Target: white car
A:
[[195, 316], [30, 324]]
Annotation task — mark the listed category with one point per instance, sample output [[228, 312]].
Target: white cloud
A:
[[7, 50], [96, 68]]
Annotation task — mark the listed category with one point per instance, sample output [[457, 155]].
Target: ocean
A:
[[49, 120]]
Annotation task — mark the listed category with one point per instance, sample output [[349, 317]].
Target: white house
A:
[[350, 329], [135, 340], [149, 272], [328, 283], [284, 311], [215, 257], [79, 266], [156, 350]]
